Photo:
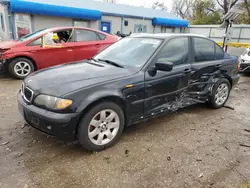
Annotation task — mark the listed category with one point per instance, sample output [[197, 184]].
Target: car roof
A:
[[164, 35]]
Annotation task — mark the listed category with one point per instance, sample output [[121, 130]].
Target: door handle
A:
[[187, 71], [98, 45], [70, 50], [218, 66]]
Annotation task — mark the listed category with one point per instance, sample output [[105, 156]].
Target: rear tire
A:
[[101, 126], [21, 67], [220, 94]]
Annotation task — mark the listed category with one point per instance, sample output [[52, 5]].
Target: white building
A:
[[19, 17]]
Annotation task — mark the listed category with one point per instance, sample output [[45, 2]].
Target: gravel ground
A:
[[195, 147]]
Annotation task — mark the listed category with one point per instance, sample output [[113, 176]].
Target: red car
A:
[[49, 47]]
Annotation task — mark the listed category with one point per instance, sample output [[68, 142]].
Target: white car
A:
[[245, 61]]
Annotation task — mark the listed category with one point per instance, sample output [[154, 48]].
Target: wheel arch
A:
[[110, 98], [227, 77]]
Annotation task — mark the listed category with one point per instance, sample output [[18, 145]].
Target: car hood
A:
[[66, 78], [8, 44]]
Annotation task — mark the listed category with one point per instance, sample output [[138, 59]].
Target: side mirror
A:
[[164, 66]]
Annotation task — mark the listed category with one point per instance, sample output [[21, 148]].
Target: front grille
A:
[[27, 93], [243, 66]]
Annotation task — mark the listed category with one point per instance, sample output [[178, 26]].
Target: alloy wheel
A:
[[22, 68], [221, 94], [103, 127]]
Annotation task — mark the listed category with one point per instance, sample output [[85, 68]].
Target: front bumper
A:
[[62, 126], [245, 67]]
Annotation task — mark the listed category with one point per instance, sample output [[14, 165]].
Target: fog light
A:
[[49, 127]]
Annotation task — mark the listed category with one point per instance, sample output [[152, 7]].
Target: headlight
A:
[[52, 102]]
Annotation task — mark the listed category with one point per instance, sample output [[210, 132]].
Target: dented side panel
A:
[[164, 88], [177, 90]]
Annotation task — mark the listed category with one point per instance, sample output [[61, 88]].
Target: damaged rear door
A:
[[163, 89], [207, 63]]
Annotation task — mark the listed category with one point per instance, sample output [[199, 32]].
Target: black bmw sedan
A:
[[135, 79]]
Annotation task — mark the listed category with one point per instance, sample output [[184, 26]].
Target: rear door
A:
[[207, 62], [164, 89], [87, 43]]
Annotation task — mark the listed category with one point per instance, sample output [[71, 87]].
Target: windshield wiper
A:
[[93, 59], [111, 62]]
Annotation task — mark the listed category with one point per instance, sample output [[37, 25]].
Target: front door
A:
[[50, 55], [57, 48], [165, 91]]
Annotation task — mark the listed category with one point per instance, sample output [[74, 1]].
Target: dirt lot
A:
[[195, 147]]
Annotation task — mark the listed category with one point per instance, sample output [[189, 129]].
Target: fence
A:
[[240, 33], [240, 37]]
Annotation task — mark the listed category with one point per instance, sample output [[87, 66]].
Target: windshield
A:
[[130, 52], [32, 35]]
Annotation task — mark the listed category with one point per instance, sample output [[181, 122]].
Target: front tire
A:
[[220, 93], [20, 68], [101, 126]]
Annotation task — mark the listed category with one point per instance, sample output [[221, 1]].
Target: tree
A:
[[183, 8], [209, 11], [246, 5], [204, 13], [226, 5], [159, 5], [245, 17]]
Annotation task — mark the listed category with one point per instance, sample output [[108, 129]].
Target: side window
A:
[[203, 50], [85, 35], [175, 51], [37, 42], [62, 36], [219, 52], [101, 36]]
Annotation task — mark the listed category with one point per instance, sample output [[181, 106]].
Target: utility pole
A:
[[228, 20]]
